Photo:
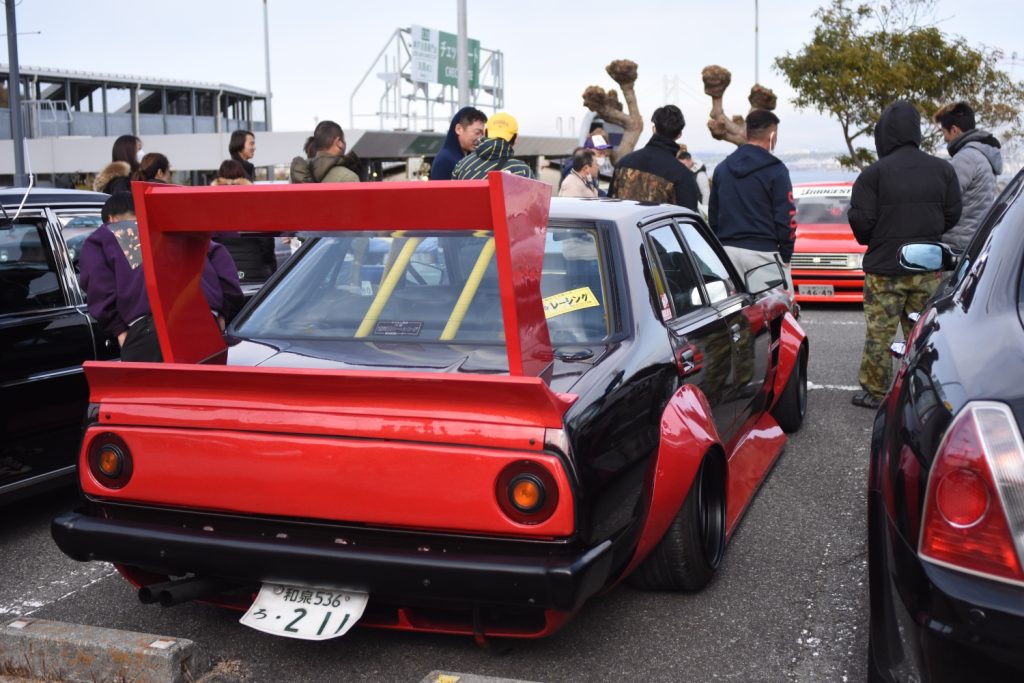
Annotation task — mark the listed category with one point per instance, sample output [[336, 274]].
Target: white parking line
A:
[[56, 590], [834, 387]]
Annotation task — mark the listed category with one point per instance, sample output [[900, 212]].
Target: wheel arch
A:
[[688, 435], [791, 341]]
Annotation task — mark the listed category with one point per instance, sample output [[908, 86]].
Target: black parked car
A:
[[45, 335], [946, 487]]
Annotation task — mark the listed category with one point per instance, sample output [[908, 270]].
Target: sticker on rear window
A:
[[397, 328], [567, 302]]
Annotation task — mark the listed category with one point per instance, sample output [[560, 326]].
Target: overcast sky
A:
[[320, 49]]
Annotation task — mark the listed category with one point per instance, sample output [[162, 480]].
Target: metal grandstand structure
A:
[[58, 102]]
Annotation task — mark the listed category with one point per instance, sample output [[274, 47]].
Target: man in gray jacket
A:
[[977, 160]]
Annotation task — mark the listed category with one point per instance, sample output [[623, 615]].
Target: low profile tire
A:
[[792, 405], [691, 550]]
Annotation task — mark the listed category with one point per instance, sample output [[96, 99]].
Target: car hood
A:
[[826, 239], [356, 355]]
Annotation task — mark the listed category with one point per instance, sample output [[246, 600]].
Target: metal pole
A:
[[463, 57], [14, 89], [757, 40], [266, 55]]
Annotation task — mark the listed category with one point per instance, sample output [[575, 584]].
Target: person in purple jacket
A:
[[115, 287]]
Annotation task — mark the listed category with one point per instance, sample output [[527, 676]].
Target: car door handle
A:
[[686, 360], [735, 331]]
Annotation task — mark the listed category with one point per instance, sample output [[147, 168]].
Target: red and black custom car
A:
[[521, 403]]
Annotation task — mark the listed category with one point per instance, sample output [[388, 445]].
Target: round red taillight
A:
[[527, 492], [962, 498], [110, 461]]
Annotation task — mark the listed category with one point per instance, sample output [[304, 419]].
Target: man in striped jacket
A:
[[494, 153]]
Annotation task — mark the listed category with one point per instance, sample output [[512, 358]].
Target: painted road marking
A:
[[834, 387], [56, 590]]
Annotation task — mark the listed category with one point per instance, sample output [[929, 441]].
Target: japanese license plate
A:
[[306, 613], [816, 290]]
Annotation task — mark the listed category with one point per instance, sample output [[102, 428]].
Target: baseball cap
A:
[[502, 125], [596, 140]]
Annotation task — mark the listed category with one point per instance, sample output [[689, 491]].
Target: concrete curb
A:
[[57, 651], [452, 677]]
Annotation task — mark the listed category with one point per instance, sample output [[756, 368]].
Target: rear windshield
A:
[[422, 286]]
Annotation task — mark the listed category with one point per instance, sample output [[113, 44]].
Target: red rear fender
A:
[[687, 433], [791, 338]]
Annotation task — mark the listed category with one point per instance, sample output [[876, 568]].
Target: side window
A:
[[717, 278], [683, 288], [28, 274]]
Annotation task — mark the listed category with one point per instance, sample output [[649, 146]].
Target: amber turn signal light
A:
[[527, 492], [110, 462]]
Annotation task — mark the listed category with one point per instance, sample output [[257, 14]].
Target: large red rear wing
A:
[[176, 222]]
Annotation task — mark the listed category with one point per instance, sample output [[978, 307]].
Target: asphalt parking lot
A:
[[790, 602]]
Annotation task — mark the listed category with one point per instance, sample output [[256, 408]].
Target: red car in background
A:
[[826, 259]]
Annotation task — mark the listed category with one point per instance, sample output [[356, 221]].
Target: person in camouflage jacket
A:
[[652, 174]]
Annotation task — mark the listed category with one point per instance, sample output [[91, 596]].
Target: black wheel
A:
[[792, 405], [687, 556]]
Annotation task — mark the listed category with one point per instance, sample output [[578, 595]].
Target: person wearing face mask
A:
[[464, 134], [124, 161], [751, 206], [582, 179]]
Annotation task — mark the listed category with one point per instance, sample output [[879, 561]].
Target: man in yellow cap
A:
[[494, 153]]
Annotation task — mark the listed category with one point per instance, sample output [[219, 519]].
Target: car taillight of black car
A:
[[974, 510]]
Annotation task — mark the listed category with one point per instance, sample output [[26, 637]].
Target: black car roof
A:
[[12, 196]]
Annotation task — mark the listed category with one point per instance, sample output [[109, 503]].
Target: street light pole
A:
[[463, 57], [757, 39], [14, 90], [266, 55]]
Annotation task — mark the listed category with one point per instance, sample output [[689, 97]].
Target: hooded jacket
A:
[[493, 154], [326, 168], [115, 177], [451, 151], [751, 203], [254, 257], [905, 196], [652, 174], [977, 161]]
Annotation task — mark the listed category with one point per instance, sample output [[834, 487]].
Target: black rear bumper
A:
[[426, 574]]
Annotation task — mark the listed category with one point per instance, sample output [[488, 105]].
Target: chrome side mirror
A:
[[927, 257]]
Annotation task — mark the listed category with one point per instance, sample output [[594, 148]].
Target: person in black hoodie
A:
[[652, 174], [464, 133], [751, 204], [905, 196]]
